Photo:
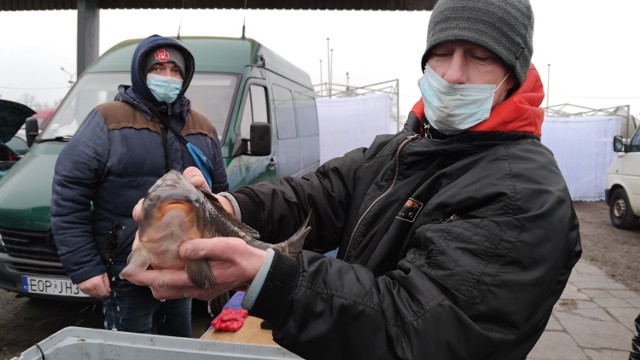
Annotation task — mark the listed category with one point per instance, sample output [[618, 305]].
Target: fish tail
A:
[[293, 245], [137, 261], [200, 274]]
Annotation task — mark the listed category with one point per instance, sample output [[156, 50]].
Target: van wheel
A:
[[620, 211]]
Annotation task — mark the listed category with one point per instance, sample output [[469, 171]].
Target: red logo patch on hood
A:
[[162, 55]]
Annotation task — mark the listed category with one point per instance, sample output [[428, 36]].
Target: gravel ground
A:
[[613, 250]]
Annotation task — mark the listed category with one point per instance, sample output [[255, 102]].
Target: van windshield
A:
[[211, 94]]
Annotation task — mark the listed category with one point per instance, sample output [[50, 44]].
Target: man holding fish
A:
[[455, 237], [119, 151]]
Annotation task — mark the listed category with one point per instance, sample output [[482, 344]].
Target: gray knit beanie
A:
[[503, 26], [164, 54]]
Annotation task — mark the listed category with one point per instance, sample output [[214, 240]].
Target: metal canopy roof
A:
[[89, 12], [223, 4]]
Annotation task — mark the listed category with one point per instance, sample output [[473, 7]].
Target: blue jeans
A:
[[134, 309]]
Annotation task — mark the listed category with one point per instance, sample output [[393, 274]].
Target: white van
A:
[[622, 193]]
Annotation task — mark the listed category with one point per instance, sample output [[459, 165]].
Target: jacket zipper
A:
[[395, 177]]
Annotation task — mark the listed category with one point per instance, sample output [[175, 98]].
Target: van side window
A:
[[634, 143], [285, 116], [255, 109], [306, 114]]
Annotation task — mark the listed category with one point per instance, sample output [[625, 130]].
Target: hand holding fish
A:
[[188, 244], [232, 260]]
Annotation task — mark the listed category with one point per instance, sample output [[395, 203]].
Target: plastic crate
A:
[[84, 343]]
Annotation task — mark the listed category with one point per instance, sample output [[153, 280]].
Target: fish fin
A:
[[293, 245], [200, 274], [240, 226], [209, 195], [137, 261]]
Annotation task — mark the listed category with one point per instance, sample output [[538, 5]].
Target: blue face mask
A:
[[453, 108], [164, 88]]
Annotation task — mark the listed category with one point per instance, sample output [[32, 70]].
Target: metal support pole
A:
[[329, 67], [548, 86], [321, 85], [331, 74], [88, 33]]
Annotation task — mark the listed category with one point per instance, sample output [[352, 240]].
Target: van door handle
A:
[[272, 162]]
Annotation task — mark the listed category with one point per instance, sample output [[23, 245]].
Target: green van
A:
[[263, 107]]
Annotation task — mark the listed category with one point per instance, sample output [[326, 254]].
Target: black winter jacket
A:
[[451, 248], [118, 152]]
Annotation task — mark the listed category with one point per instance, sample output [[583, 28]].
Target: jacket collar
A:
[[127, 94]]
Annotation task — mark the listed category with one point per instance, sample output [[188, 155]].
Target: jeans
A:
[[134, 309]]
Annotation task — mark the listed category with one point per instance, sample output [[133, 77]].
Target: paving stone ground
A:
[[593, 320]]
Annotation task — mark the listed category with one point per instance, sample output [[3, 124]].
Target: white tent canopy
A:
[[351, 122], [583, 149], [582, 145]]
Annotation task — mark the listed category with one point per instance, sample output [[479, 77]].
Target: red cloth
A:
[[230, 319]]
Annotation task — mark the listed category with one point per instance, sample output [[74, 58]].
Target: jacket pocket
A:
[[464, 256]]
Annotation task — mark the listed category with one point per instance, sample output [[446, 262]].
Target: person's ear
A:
[[512, 83]]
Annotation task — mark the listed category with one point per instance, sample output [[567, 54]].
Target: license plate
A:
[[50, 286]]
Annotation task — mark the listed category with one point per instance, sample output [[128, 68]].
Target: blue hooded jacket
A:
[[120, 150]]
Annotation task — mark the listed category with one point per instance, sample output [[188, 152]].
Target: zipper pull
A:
[[426, 126], [449, 219]]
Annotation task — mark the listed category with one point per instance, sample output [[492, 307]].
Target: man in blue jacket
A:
[[118, 153]]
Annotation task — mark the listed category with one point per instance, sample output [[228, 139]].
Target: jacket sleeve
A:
[[326, 193], [78, 171]]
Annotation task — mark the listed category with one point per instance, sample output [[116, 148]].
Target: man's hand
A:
[[233, 262], [97, 286], [197, 179]]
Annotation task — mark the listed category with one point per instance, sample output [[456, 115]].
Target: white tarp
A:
[[582, 146], [350, 122], [583, 149]]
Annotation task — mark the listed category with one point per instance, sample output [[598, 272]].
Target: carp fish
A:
[[174, 211]]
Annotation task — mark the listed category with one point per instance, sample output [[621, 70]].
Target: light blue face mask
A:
[[164, 88], [453, 108]]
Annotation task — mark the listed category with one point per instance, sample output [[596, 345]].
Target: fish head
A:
[[168, 217], [170, 188]]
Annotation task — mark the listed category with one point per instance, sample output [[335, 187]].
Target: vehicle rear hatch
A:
[[12, 117]]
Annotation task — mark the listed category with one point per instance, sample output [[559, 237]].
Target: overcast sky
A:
[[591, 46]]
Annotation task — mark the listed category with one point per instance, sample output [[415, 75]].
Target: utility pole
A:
[[329, 67], [331, 74], [321, 84], [548, 86], [347, 83]]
